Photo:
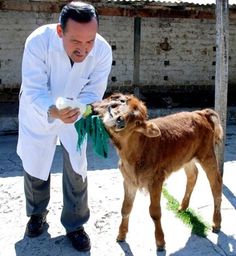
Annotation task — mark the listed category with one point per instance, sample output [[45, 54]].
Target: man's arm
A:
[[95, 89], [35, 76]]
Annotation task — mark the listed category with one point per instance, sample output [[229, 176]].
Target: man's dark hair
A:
[[77, 11]]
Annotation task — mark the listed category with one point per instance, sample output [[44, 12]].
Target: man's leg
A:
[[37, 194], [75, 211]]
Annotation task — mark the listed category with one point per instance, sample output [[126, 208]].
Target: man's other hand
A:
[[66, 115]]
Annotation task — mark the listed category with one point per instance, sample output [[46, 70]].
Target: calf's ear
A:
[[149, 129]]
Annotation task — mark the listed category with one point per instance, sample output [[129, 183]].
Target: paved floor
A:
[[105, 198]]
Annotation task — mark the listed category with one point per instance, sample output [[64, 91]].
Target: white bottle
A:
[[62, 102]]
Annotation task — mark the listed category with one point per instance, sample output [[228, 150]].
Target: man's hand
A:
[[66, 115]]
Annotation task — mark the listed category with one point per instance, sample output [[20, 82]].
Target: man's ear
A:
[[59, 30], [149, 129]]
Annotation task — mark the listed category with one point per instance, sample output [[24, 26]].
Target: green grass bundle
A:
[[188, 217], [92, 126]]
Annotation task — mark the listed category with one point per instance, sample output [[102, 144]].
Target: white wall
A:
[[191, 55]]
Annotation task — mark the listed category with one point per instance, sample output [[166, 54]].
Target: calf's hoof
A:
[[215, 229], [161, 248], [160, 245], [121, 238], [180, 209]]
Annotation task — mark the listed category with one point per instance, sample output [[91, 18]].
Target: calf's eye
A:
[[113, 106], [119, 119]]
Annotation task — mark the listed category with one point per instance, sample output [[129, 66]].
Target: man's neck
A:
[[71, 62]]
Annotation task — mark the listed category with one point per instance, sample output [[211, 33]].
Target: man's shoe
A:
[[80, 240], [36, 224]]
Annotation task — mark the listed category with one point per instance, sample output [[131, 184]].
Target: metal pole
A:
[[137, 39], [221, 77]]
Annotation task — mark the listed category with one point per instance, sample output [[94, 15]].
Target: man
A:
[[69, 60]]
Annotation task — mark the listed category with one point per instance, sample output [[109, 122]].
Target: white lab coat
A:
[[46, 75]]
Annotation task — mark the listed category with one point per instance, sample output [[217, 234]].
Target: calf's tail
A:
[[214, 120]]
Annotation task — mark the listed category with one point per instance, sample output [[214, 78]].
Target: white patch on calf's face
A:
[[120, 109], [113, 116], [108, 120]]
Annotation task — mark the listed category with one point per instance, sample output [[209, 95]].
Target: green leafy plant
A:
[[188, 217]]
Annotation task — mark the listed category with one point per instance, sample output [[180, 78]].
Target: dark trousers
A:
[[75, 210]]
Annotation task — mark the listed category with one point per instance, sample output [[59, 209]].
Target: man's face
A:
[[78, 38]]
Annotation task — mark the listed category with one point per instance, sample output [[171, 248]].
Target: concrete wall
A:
[[14, 29], [119, 33], [181, 52], [176, 53]]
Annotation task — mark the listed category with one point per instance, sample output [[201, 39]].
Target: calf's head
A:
[[124, 114]]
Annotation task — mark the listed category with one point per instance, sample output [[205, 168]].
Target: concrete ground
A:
[[105, 199]]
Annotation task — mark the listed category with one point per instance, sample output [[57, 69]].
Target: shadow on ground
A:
[[44, 245]]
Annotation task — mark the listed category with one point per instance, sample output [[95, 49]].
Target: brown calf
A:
[[150, 150]]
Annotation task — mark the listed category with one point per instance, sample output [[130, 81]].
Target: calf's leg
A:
[[155, 212], [210, 166], [191, 172], [129, 196]]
